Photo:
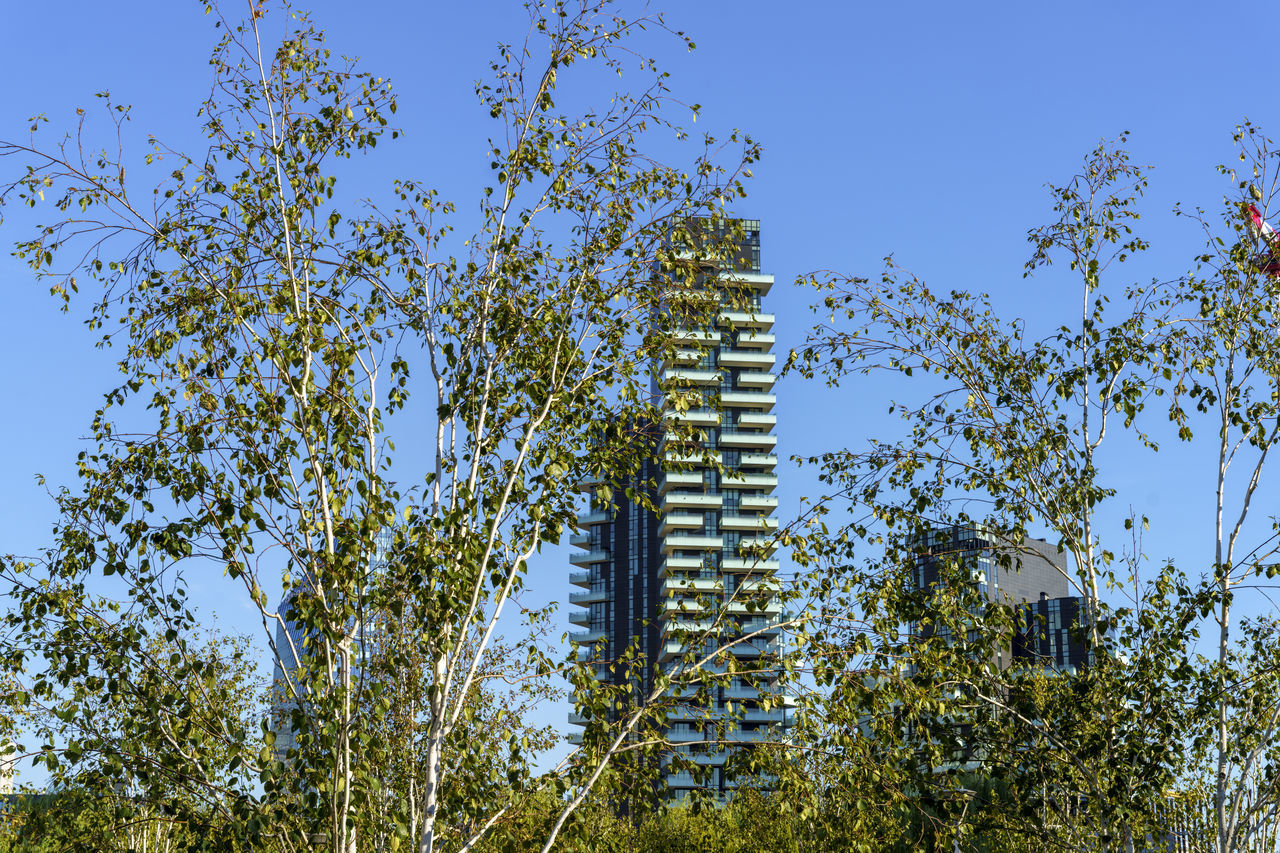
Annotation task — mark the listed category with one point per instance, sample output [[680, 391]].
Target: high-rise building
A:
[[1032, 577], [703, 562]]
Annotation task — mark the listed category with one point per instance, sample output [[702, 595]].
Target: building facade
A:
[[699, 572], [1032, 577]]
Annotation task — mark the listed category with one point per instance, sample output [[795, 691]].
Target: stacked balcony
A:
[[714, 548]]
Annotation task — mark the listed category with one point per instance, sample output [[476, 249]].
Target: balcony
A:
[[689, 542], [758, 545], [748, 564], [580, 540], [760, 282], [748, 523], [677, 520], [760, 585], [582, 579], [694, 417], [590, 518], [696, 337], [748, 400], [758, 460], [762, 380], [676, 606], [585, 638], [581, 618], [587, 558], [747, 358], [678, 479], [734, 438], [688, 376], [682, 357], [760, 502], [687, 457], [755, 340], [676, 566], [686, 585], [759, 606], [768, 482], [593, 597], [757, 419], [747, 319], [693, 500]]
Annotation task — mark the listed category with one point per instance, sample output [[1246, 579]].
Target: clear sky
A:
[[924, 130]]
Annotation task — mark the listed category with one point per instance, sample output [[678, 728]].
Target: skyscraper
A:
[[703, 561]]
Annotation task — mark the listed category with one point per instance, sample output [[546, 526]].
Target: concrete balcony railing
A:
[[748, 399], [758, 502]]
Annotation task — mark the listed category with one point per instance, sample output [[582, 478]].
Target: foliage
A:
[[270, 335], [1012, 436]]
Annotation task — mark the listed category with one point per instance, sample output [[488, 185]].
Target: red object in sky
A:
[[1268, 260]]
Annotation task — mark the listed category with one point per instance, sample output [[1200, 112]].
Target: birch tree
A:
[[277, 343]]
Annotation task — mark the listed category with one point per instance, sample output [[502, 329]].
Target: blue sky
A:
[[923, 130]]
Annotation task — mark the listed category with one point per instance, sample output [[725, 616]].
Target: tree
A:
[[1232, 381], [1011, 436], [272, 335]]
